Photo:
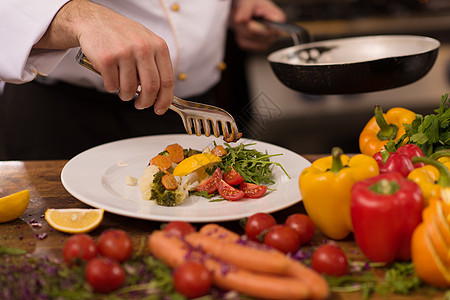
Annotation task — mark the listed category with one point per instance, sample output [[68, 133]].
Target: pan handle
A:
[[298, 33]]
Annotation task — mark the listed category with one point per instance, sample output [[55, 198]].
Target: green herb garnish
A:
[[252, 165], [431, 132], [400, 278], [11, 251]]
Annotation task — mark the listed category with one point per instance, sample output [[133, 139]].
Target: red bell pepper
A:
[[399, 161], [385, 210]]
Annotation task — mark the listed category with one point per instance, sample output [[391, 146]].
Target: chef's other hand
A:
[[252, 35], [119, 49]]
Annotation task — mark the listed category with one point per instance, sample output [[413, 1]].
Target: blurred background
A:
[[315, 123]]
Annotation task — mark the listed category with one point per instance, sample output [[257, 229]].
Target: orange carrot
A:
[[219, 150], [175, 152], [169, 182], [161, 161], [173, 251]]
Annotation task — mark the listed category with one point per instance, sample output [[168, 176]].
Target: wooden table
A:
[[42, 178]]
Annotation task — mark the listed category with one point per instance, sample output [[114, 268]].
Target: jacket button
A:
[[222, 66], [175, 7], [182, 76]]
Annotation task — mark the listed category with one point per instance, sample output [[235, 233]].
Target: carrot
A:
[[161, 161], [174, 251], [175, 152], [169, 182], [219, 150], [219, 232]]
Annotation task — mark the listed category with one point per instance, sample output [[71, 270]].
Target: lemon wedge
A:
[[195, 162], [14, 205], [74, 220]]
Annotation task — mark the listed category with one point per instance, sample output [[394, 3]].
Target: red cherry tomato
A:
[[79, 247], [228, 192], [179, 228], [211, 183], [252, 190], [258, 223], [192, 279], [233, 177], [330, 259], [303, 225], [104, 274], [282, 238], [115, 244]]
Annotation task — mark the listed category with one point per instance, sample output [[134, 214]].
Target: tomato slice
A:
[[228, 192], [252, 190], [211, 183], [233, 177]]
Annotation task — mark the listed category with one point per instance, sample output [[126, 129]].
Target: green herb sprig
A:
[[254, 166], [430, 132]]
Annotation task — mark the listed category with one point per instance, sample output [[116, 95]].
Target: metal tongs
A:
[[202, 117]]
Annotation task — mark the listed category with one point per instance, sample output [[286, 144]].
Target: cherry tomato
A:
[[79, 247], [232, 177], [179, 228], [282, 238], [228, 192], [211, 183], [192, 279], [104, 274], [303, 225], [252, 190], [257, 223], [330, 259], [115, 244]]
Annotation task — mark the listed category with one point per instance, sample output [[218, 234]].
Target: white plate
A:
[[97, 178]]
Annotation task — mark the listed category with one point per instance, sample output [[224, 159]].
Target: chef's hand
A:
[[250, 34], [119, 49]]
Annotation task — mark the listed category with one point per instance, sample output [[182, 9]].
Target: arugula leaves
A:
[[251, 164], [431, 132]]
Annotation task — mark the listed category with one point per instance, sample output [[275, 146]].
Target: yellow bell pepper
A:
[[384, 127], [326, 190], [432, 177]]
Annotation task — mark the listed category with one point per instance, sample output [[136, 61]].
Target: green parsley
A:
[[431, 132]]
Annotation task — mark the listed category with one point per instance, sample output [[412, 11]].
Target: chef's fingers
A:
[[245, 10], [167, 82], [128, 78], [255, 39], [157, 79], [149, 84]]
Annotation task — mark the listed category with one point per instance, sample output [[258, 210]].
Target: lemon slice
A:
[[14, 205], [74, 220], [194, 162]]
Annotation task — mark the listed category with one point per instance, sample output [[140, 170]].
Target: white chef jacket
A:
[[194, 30]]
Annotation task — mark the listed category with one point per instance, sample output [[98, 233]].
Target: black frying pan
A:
[[354, 65]]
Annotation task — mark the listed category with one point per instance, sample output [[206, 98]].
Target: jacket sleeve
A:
[[24, 22]]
